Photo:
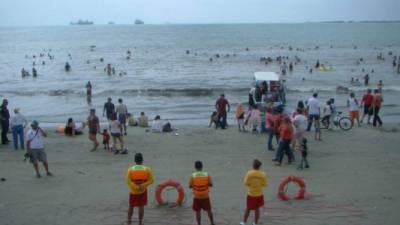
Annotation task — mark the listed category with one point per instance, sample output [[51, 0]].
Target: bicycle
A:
[[343, 122]]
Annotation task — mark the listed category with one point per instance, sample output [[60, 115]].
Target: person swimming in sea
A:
[[67, 67]]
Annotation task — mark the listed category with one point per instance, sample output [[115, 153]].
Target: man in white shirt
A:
[[313, 110], [18, 123], [35, 146], [122, 113]]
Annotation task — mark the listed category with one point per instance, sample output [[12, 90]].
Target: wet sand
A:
[[352, 179]]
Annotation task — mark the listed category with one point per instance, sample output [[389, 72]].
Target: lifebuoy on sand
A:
[[170, 183], [281, 190]]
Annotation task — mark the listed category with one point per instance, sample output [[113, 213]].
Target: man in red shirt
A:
[[220, 105], [367, 102]]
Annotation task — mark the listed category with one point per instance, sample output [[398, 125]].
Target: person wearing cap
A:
[[138, 178], [94, 128], [18, 123], [5, 121], [35, 148], [200, 182]]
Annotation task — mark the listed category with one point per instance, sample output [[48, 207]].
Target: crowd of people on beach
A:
[[263, 115]]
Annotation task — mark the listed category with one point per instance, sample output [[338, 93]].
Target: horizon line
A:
[[208, 23]]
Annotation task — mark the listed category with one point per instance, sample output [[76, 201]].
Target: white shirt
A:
[[353, 105], [17, 120], [121, 109], [114, 127], [252, 91], [301, 121], [157, 126], [313, 106], [36, 139], [328, 110]]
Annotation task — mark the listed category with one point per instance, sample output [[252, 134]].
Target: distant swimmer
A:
[[67, 67], [311, 70], [101, 60], [88, 61], [113, 70], [211, 59], [366, 79], [128, 52], [187, 52], [247, 49], [291, 67], [109, 69], [89, 93], [33, 63], [284, 68], [317, 64], [34, 72], [24, 73], [43, 63]]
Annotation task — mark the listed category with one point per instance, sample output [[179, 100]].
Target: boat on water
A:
[[82, 22], [111, 23], [139, 22]]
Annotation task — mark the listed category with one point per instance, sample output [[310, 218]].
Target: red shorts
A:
[[255, 202], [201, 203], [138, 200], [353, 115]]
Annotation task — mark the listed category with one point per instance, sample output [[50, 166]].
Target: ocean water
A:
[[162, 79]]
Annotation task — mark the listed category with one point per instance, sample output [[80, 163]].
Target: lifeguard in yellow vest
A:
[[200, 183], [139, 177]]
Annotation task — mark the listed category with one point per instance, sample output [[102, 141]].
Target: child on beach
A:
[[214, 119], [327, 114], [106, 139], [303, 149], [240, 117], [255, 180], [317, 126], [200, 182]]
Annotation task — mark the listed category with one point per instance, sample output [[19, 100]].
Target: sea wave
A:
[[188, 92]]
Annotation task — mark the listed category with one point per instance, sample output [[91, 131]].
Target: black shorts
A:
[[368, 110], [117, 135]]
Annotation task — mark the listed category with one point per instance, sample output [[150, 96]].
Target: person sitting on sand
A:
[[157, 125], [72, 129], [138, 178], [143, 120], [255, 180], [214, 119], [131, 120], [116, 134]]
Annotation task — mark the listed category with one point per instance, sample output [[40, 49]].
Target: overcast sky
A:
[[61, 12]]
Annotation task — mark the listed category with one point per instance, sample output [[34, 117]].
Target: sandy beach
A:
[[352, 179]]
